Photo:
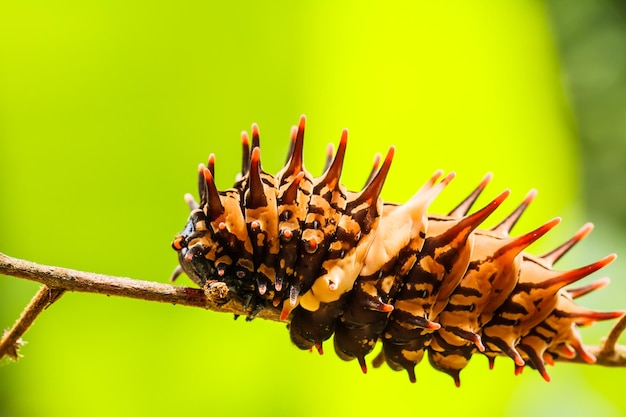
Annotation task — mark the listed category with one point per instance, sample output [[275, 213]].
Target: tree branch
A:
[[610, 344], [11, 339], [214, 297]]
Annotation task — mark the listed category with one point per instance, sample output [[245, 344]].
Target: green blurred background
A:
[[107, 107]]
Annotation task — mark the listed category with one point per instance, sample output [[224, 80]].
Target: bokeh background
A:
[[107, 107]]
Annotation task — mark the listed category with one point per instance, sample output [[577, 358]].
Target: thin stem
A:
[[11, 339], [610, 344], [213, 297]]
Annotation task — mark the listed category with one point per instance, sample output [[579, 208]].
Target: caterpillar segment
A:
[[468, 303], [262, 222], [353, 237], [559, 328], [228, 228], [326, 206], [542, 267], [346, 254], [533, 299], [403, 226], [366, 310], [490, 278], [333, 261], [440, 267], [309, 329], [368, 305], [295, 186]]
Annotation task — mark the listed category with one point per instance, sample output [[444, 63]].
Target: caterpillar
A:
[[334, 261]]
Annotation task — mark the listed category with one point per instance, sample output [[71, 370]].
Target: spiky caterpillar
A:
[[335, 261]]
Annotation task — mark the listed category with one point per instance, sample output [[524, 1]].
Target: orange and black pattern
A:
[[345, 263]]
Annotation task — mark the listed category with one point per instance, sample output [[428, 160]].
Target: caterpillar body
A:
[[346, 263]]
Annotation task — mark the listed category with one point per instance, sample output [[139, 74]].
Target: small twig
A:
[[11, 339], [211, 298], [610, 344]]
